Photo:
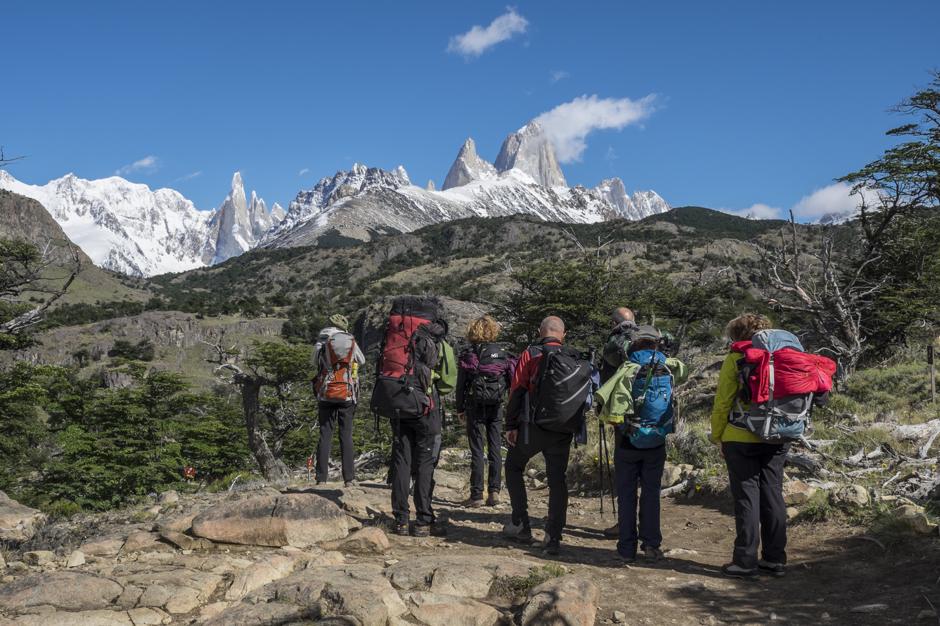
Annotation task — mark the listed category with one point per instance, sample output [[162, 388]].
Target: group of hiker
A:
[[536, 404]]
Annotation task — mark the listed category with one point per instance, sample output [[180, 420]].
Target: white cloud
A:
[[568, 124], [148, 164], [836, 198], [303, 171], [757, 211], [189, 176], [558, 75], [479, 39]]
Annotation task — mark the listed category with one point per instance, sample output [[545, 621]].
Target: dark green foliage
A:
[[143, 350]]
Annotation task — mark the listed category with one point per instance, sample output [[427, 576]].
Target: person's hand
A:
[[462, 416], [511, 437]]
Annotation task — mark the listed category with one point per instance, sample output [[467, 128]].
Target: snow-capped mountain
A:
[[128, 227], [530, 151], [362, 203]]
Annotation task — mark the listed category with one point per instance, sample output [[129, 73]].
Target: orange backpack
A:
[[337, 380]]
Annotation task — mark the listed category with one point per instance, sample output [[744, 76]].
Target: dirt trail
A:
[[834, 576]]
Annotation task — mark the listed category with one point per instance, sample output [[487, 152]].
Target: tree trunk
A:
[[272, 468]]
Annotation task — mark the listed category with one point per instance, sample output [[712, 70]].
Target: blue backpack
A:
[[653, 401]]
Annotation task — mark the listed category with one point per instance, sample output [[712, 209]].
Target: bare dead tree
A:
[[26, 269], [5, 160], [264, 420], [818, 284]]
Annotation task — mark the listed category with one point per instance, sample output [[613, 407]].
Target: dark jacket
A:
[[523, 382]]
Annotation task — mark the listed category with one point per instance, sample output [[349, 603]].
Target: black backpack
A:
[[563, 386], [490, 380]]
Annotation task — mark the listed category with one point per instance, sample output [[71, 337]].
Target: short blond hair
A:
[[482, 330], [745, 326]]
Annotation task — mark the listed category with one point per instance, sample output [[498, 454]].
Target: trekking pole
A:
[[602, 444]]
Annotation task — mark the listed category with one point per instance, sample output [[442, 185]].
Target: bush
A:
[[143, 350]]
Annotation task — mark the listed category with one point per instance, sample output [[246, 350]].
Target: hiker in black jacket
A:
[[483, 377]]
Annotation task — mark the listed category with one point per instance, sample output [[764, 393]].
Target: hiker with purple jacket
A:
[[483, 375]]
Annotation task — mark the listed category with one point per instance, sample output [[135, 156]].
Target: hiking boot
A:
[[552, 547], [627, 559], [770, 568], [652, 554], [473, 503], [350, 483], [517, 532], [400, 529], [421, 530], [732, 570], [613, 532], [492, 499]]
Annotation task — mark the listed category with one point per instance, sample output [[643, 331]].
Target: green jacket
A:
[[728, 387], [444, 376], [615, 397]]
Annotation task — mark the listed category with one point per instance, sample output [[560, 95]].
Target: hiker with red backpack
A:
[[550, 392], [404, 394], [484, 373], [336, 359], [767, 388], [639, 400]]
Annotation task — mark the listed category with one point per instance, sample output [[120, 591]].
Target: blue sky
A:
[[752, 102]]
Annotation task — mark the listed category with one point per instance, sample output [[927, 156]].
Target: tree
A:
[[271, 381], [25, 269]]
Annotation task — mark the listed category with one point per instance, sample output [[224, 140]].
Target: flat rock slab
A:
[[66, 590], [436, 609], [259, 574], [464, 576], [294, 519], [369, 540], [566, 601], [358, 591], [18, 522]]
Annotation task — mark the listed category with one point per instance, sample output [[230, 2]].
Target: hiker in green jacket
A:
[[755, 471]]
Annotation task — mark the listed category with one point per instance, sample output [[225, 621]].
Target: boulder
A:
[[185, 542], [169, 497], [566, 601], [451, 480], [672, 474], [851, 496], [179, 524], [369, 540], [83, 618], [916, 518], [76, 558], [469, 576], [796, 492], [67, 590], [258, 575], [105, 546], [39, 558], [143, 541], [792, 513], [436, 609], [175, 589], [359, 591], [263, 614], [18, 523], [295, 519]]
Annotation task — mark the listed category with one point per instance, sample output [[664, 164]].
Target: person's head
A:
[[552, 326], [745, 326], [339, 321], [620, 315], [483, 330]]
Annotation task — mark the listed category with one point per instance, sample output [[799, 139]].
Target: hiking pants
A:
[[755, 471], [330, 416], [641, 469], [484, 421], [412, 453], [555, 448]]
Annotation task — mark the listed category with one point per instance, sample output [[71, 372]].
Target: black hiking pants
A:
[[755, 471], [412, 453], [332, 415], [643, 470], [484, 425], [555, 448]]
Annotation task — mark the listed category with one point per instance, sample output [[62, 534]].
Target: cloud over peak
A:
[[479, 39], [568, 125], [149, 163]]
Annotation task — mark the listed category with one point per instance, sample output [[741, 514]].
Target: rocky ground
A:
[[301, 554]]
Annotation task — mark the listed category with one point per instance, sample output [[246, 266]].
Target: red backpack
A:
[[410, 351]]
